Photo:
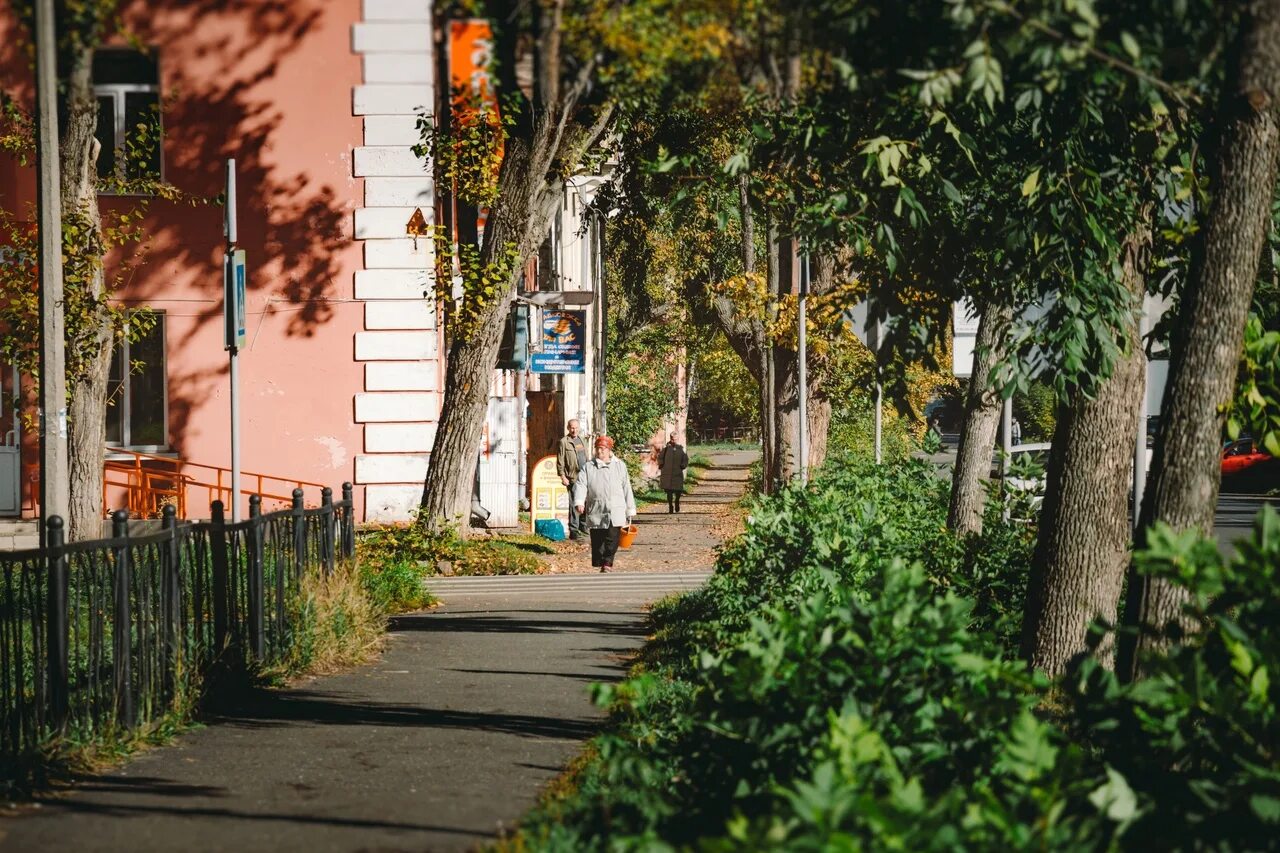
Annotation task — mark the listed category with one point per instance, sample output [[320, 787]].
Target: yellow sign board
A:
[[550, 497]]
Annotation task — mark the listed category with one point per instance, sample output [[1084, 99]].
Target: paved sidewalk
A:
[[686, 541], [440, 745]]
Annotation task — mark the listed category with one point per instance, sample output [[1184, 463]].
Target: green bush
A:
[[848, 679], [395, 560]]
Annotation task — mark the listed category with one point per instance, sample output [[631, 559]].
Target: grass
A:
[[397, 559], [340, 625], [724, 445]]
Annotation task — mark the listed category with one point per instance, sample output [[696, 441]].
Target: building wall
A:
[[315, 101]]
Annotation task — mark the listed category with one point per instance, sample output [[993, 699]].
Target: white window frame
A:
[[117, 92]]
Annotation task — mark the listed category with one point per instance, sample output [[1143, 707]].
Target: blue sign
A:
[[234, 299], [563, 339]]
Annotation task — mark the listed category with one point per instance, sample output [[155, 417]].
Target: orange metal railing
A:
[[147, 483]]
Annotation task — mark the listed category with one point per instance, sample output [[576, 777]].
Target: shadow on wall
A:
[[222, 101]]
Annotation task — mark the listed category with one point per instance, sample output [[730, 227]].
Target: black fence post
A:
[[329, 517], [218, 544], [170, 590], [257, 634], [57, 628], [348, 521], [299, 536], [122, 629]]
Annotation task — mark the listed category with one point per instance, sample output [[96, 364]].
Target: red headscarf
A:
[[604, 441]]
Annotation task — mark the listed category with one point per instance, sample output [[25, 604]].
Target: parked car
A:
[[1240, 455]]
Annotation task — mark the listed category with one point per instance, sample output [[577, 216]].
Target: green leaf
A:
[[1267, 808], [1115, 798], [1031, 183], [949, 189], [1130, 45]]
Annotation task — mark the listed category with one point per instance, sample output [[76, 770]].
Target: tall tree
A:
[[1185, 475], [546, 132], [93, 323]]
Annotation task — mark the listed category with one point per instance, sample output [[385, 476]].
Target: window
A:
[[137, 393], [127, 84]]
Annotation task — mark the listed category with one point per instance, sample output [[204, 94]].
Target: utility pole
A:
[[233, 301], [1006, 447], [55, 481]]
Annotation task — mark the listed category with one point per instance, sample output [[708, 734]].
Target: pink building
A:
[[317, 102]]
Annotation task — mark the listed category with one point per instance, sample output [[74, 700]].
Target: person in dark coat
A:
[[672, 464]]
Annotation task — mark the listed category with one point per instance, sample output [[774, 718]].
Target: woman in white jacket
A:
[[602, 495]]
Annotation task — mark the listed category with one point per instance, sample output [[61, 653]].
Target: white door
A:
[[500, 462], [10, 443]]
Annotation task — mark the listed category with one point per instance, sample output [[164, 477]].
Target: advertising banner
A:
[[563, 343]]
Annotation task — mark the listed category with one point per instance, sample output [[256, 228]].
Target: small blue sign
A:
[[564, 338], [234, 299]]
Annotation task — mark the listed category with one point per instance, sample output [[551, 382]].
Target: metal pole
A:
[[879, 410], [233, 351], [1006, 445], [879, 417], [802, 446], [1140, 447], [55, 480]]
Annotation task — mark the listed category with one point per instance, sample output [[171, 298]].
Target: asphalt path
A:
[[440, 745]]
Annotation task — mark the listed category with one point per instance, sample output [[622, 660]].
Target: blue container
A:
[[549, 528]]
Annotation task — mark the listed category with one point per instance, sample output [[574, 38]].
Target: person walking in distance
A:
[[672, 463], [572, 458], [602, 494]]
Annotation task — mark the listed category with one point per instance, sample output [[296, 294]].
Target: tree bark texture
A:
[[1186, 467], [86, 416], [519, 216], [1083, 548], [982, 406]]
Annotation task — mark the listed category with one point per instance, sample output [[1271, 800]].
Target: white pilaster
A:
[[400, 401]]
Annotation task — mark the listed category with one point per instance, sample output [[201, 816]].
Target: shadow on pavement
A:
[[265, 708], [590, 678], [494, 622], [85, 805]]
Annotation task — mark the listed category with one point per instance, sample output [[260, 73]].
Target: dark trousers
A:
[[604, 545], [673, 500]]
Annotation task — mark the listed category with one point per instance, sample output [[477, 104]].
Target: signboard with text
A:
[[548, 496], [562, 343]]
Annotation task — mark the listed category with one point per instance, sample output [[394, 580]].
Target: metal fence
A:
[[112, 634]]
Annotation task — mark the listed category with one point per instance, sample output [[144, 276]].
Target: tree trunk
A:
[[771, 456], [86, 446], [86, 416], [1083, 547], [1186, 466], [519, 217], [982, 405]]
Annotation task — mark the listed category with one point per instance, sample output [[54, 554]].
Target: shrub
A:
[[847, 679], [395, 560]]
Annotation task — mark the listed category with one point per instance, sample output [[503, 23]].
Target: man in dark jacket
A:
[[672, 463], [570, 460]]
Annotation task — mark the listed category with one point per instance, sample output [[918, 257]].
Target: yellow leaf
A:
[[1031, 184]]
